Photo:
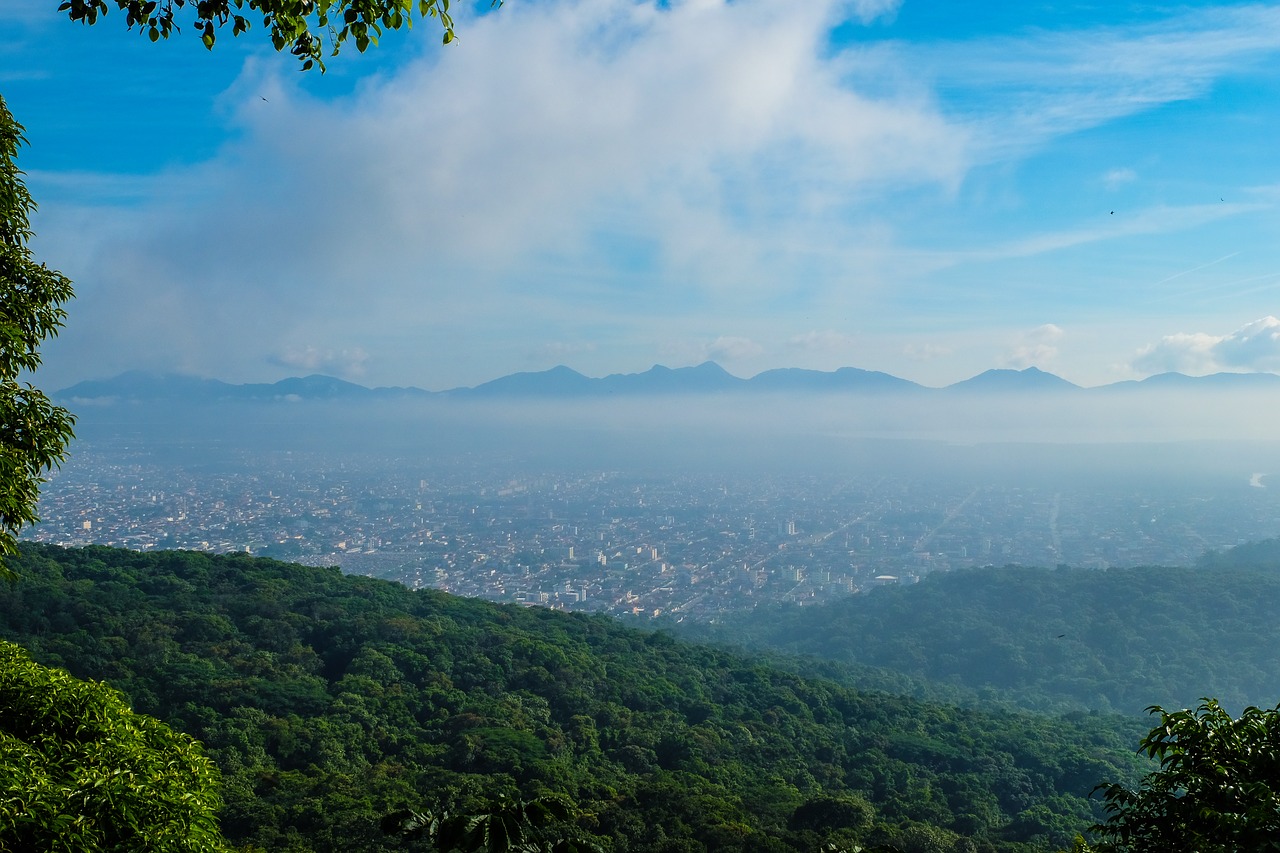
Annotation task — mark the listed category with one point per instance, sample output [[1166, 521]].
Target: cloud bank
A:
[[599, 178], [562, 146], [346, 363], [1036, 347], [1253, 347]]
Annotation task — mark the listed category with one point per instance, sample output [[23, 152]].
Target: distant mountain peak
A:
[[848, 379], [1173, 381], [139, 386], [558, 381], [562, 382], [1009, 379]]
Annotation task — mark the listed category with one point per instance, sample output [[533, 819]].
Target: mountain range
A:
[[562, 382]]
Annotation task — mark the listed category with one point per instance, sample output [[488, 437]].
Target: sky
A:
[[921, 187]]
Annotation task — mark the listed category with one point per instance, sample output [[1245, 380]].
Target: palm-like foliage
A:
[[512, 825]]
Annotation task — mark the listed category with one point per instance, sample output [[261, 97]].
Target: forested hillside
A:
[[1056, 639], [329, 701]]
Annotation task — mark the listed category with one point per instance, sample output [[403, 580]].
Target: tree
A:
[[309, 28], [80, 771], [511, 825], [1217, 789], [826, 812], [33, 432]]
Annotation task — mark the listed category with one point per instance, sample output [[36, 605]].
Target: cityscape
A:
[[687, 545]]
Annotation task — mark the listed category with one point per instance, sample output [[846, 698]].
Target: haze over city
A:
[[639, 426], [920, 188]]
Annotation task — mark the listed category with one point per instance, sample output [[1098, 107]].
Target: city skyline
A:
[[691, 543], [898, 186]]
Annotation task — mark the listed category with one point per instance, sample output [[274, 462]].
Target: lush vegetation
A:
[[1056, 639], [80, 771], [329, 702], [1217, 789], [33, 432]]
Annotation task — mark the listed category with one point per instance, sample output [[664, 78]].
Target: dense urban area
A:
[[690, 545]]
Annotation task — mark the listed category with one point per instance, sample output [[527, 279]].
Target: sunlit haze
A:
[[920, 188]]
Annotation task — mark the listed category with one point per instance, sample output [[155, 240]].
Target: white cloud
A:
[[727, 348], [1059, 82], [1253, 347], [347, 363], [867, 11], [573, 165], [1155, 220], [1181, 352], [1034, 347], [716, 136], [558, 351], [823, 341], [926, 351], [1116, 178]]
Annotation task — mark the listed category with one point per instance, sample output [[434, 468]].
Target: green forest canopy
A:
[[80, 771], [1114, 640], [329, 701]]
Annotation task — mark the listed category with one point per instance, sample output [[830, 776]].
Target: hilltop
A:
[[1115, 640], [329, 700]]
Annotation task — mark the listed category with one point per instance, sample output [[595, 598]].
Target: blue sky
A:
[[924, 188]]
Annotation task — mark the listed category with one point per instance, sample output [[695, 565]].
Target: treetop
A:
[[310, 29]]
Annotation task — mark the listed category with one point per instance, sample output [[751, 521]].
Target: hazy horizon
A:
[[900, 185], [654, 367], [1153, 417]]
